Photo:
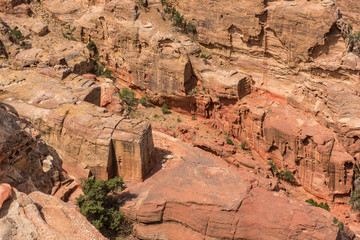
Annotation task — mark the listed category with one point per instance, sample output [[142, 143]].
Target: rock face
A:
[[22, 154], [81, 132], [204, 197], [40, 216]]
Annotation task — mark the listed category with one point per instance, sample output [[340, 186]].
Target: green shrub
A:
[[287, 176], [128, 99], [283, 175], [193, 117], [178, 120], [190, 28], [17, 35], [320, 205], [96, 206], [145, 101], [355, 199], [164, 3], [229, 141], [99, 69], [340, 225], [193, 91], [165, 109], [273, 167], [91, 46], [178, 19], [244, 145], [354, 42]]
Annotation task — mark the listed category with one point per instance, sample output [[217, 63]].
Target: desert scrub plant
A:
[[312, 202], [165, 109], [190, 28], [355, 199], [69, 34], [282, 175], [193, 91], [287, 176], [354, 43], [193, 117], [244, 145], [95, 204], [16, 35], [145, 101], [229, 141], [100, 70], [129, 102], [91, 46], [339, 224]]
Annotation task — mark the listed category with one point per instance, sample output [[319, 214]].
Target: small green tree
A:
[[128, 99], [244, 145], [288, 176], [165, 109], [16, 35], [145, 101], [190, 28], [354, 42], [355, 199], [96, 206], [320, 205], [91, 46]]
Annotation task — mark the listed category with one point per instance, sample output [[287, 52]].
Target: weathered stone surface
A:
[[81, 132], [295, 142], [40, 216], [22, 154], [5, 193], [40, 28], [206, 197]]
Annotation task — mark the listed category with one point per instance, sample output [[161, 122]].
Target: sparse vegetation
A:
[[282, 175], [193, 117], [354, 43], [229, 141], [193, 91], [96, 206], [287, 176], [165, 109], [355, 199], [315, 204], [190, 28], [91, 46], [128, 99], [69, 34], [177, 19], [145, 101], [178, 120], [339, 224], [244, 145], [17, 35]]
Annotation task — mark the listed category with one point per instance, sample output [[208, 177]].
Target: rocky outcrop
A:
[[202, 197], [81, 132], [5, 193], [22, 155], [40, 216], [295, 142]]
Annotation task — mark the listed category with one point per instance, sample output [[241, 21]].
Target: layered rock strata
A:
[[203, 197], [81, 132], [40, 216]]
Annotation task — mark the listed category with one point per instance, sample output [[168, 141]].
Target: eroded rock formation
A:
[[207, 198], [65, 114]]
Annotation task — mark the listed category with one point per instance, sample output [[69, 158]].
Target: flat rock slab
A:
[[204, 195]]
